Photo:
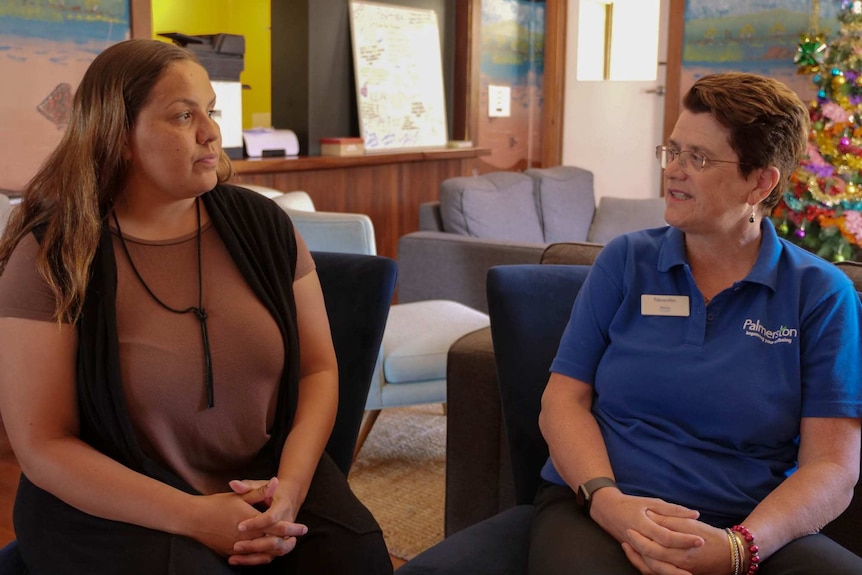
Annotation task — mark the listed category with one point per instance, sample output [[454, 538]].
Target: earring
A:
[[751, 217]]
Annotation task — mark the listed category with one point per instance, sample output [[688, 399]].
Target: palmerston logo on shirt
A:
[[756, 329]]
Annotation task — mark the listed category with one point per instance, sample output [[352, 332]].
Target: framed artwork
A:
[[45, 47], [512, 57], [757, 36]]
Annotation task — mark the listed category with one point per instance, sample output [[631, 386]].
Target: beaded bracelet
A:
[[754, 561]]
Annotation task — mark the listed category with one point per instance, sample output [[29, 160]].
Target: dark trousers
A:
[[56, 539], [565, 541]]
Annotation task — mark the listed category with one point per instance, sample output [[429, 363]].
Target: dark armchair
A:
[[358, 290], [529, 307]]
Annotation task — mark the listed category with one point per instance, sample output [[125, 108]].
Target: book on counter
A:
[[341, 147]]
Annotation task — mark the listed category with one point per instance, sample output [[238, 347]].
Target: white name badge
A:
[[667, 305]]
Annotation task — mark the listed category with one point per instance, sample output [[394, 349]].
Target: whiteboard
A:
[[399, 76]]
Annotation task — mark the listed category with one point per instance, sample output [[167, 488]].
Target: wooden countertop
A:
[[305, 163]]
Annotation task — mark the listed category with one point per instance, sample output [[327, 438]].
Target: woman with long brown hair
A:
[[167, 376]]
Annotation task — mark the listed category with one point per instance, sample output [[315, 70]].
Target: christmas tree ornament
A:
[[821, 209], [810, 54]]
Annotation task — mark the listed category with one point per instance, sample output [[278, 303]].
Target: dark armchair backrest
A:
[[846, 527], [529, 307], [853, 271], [358, 291]]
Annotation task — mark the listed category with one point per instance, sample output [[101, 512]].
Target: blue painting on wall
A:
[[45, 47], [513, 34], [757, 36], [513, 55]]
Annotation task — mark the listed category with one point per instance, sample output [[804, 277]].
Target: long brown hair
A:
[[75, 187]]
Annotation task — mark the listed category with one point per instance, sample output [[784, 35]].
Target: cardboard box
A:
[[341, 147]]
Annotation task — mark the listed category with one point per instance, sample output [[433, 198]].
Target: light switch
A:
[[499, 101]]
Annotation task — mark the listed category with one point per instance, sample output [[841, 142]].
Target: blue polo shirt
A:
[[703, 408]]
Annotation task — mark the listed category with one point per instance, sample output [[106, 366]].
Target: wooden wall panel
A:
[[141, 16], [387, 188], [554, 83], [673, 94]]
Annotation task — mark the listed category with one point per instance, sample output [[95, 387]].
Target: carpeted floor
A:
[[400, 476]]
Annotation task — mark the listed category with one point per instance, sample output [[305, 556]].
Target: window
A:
[[618, 40]]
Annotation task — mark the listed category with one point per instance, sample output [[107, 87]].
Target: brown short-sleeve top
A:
[[161, 353]]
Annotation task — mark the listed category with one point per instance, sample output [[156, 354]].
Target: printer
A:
[[270, 143]]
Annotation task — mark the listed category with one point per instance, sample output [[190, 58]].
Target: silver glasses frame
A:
[[665, 155]]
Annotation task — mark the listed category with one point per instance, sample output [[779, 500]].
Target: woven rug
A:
[[400, 476]]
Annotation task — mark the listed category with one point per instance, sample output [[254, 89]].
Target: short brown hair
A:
[[768, 122]]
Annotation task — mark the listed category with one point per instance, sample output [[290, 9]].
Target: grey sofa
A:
[[504, 218]]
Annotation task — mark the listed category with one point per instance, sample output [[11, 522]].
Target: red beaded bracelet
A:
[[754, 561]]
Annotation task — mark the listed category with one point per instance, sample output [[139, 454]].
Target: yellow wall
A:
[[250, 18]]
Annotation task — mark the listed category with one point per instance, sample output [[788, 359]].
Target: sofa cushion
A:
[[566, 202], [498, 205], [571, 253], [418, 336], [617, 216]]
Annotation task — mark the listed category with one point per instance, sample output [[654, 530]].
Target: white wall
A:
[[612, 128]]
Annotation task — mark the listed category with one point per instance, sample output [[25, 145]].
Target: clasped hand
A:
[[661, 538], [274, 531], [279, 532], [234, 525]]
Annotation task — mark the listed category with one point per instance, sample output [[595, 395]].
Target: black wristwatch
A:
[[584, 495]]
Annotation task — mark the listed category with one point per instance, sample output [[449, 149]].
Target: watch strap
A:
[[588, 488]]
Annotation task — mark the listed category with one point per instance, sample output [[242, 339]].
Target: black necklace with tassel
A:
[[198, 310]]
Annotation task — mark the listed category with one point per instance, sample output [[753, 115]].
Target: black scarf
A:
[[259, 237]]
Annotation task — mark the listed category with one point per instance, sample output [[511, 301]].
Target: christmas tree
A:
[[822, 209]]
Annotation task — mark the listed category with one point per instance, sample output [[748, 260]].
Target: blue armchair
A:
[[529, 308]]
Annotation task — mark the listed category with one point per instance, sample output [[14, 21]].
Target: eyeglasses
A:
[[686, 158]]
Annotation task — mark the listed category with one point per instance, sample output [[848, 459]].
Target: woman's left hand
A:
[[651, 558], [277, 521]]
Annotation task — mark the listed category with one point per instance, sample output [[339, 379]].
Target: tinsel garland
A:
[[822, 208]]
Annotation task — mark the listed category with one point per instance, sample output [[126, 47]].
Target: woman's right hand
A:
[[214, 521], [277, 522]]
